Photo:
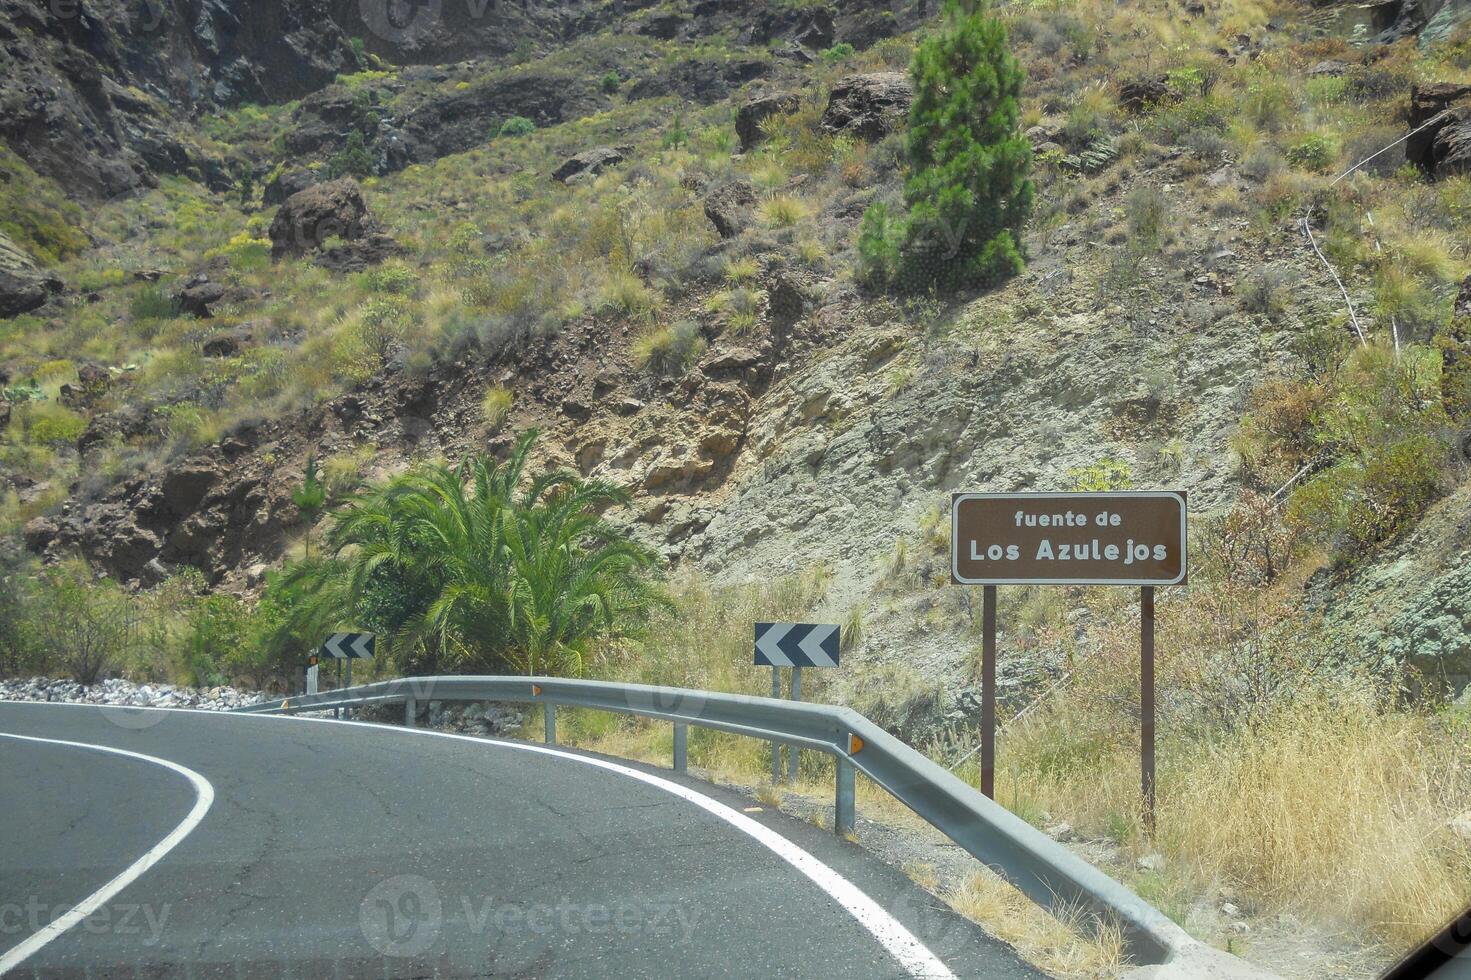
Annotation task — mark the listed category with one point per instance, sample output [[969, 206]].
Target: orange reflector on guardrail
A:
[[536, 690], [855, 744], [285, 705]]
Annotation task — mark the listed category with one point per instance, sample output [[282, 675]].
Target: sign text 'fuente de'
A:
[[1121, 538]]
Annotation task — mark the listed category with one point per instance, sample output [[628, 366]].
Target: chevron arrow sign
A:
[[348, 646], [796, 645]]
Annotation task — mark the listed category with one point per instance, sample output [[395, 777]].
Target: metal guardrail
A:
[[1041, 868]]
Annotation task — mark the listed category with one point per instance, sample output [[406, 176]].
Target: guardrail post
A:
[[549, 714], [411, 710], [843, 809], [681, 747]]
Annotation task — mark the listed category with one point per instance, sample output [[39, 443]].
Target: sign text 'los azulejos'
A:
[[1114, 538]]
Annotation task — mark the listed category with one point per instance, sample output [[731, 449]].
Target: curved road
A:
[[338, 849]]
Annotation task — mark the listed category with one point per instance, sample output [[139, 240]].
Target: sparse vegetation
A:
[[1166, 235]]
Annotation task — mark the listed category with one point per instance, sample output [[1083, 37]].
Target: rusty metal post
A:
[[1146, 702], [988, 692]]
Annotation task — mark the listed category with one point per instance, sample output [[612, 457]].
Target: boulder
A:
[[197, 296], [92, 382], [869, 106], [737, 360], [1332, 68], [285, 184], [750, 116], [1451, 152], [355, 256], [787, 298], [185, 486], [22, 286], [1139, 94], [39, 533], [590, 163], [1434, 109], [225, 344], [662, 25], [729, 206], [818, 32], [308, 218]]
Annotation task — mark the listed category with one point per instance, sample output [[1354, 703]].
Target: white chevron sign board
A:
[[796, 645], [349, 646]]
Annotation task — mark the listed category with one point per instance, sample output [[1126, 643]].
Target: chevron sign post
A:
[[794, 645], [348, 647]]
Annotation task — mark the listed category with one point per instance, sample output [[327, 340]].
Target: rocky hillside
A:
[[634, 224]]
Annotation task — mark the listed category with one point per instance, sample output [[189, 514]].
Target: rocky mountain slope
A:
[[301, 283]]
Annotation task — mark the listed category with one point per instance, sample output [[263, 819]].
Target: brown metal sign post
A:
[[1135, 537]]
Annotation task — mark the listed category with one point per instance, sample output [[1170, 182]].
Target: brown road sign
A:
[[1132, 537]]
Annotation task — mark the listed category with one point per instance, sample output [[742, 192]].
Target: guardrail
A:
[[1041, 868]]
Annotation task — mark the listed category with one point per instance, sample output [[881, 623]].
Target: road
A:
[[357, 850]]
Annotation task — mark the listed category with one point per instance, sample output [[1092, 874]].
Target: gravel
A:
[[116, 691]]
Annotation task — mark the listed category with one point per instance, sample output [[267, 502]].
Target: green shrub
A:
[[670, 351], [783, 211], [1315, 152], [879, 239], [626, 293], [1382, 423], [78, 624], [151, 302], [610, 83], [517, 126], [354, 159], [54, 425], [968, 191], [392, 277], [841, 51], [1145, 209], [496, 406], [342, 473]]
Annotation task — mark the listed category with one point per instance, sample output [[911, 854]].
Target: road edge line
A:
[[902, 945], [204, 796]]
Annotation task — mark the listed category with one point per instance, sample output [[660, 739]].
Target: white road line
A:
[[204, 798], [906, 948], [901, 944]]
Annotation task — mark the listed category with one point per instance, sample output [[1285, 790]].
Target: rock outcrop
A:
[[1440, 128], [869, 106], [308, 218], [590, 163], [753, 113], [729, 206], [1139, 94], [23, 287], [98, 95], [283, 185], [198, 294]]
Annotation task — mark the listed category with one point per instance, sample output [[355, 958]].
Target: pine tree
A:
[[968, 191]]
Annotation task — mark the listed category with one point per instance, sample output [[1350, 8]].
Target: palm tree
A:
[[463, 567]]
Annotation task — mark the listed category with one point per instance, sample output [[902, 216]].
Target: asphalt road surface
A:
[[288, 847]]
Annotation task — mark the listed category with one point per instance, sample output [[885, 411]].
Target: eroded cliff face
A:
[[94, 93], [98, 94]]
